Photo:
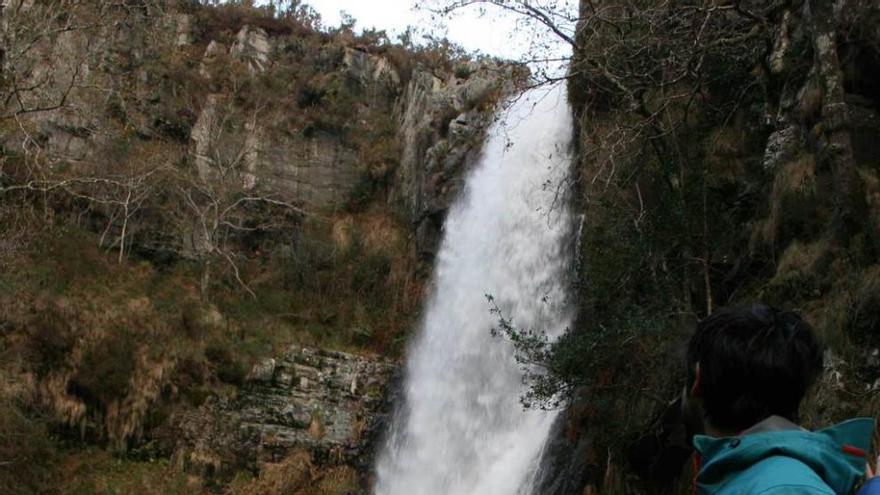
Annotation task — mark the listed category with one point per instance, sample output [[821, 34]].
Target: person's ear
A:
[[695, 388]]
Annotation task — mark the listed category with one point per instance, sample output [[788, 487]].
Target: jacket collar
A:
[[836, 454], [773, 423]]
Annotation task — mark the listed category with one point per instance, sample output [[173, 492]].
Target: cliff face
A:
[[300, 118], [441, 131], [188, 190], [737, 166]]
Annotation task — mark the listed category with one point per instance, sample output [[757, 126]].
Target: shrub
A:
[[227, 366], [51, 339], [27, 455], [462, 71], [227, 19], [106, 369], [863, 321], [370, 273], [191, 319]]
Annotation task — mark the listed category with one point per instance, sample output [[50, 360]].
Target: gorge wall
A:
[[318, 120], [725, 157], [201, 208]]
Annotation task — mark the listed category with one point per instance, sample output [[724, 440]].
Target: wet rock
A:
[[442, 125]]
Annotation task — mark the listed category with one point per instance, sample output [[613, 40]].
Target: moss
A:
[[796, 203], [863, 319], [799, 274]]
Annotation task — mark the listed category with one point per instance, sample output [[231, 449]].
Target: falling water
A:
[[462, 430]]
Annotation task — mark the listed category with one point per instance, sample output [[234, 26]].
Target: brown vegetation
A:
[[135, 281]]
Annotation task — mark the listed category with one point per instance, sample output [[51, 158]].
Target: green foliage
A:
[[462, 71], [623, 353]]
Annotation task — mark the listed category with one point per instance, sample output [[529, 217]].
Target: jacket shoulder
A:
[[777, 475]]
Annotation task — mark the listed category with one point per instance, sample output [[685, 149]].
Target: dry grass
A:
[[296, 475], [289, 476], [96, 472], [792, 202], [799, 273], [107, 349]]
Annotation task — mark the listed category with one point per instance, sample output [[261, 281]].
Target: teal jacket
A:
[[777, 457]]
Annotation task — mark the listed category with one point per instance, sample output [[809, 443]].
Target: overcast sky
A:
[[489, 34], [494, 33]]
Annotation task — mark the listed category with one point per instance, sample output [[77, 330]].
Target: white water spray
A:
[[462, 430]]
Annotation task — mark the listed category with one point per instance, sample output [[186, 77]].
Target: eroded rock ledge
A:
[[328, 403]]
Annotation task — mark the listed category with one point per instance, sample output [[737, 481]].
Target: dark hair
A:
[[754, 363]]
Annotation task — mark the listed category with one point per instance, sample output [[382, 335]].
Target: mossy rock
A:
[[796, 206], [863, 320], [799, 274]]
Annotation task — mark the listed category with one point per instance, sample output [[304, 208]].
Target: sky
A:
[[494, 33], [489, 34]]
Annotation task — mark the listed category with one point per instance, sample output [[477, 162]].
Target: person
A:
[[748, 371]]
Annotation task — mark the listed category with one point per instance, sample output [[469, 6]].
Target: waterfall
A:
[[462, 429]]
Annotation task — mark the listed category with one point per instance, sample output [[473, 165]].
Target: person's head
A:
[[745, 365]]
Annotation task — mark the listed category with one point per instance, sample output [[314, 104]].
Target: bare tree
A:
[[219, 195], [31, 33], [550, 26], [123, 194]]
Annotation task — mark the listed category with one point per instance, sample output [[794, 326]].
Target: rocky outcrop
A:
[[328, 403], [253, 48], [319, 171], [442, 125], [318, 168]]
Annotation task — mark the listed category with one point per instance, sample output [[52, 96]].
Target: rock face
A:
[[253, 47], [328, 403], [319, 171], [786, 189], [232, 102], [442, 125], [316, 167]]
